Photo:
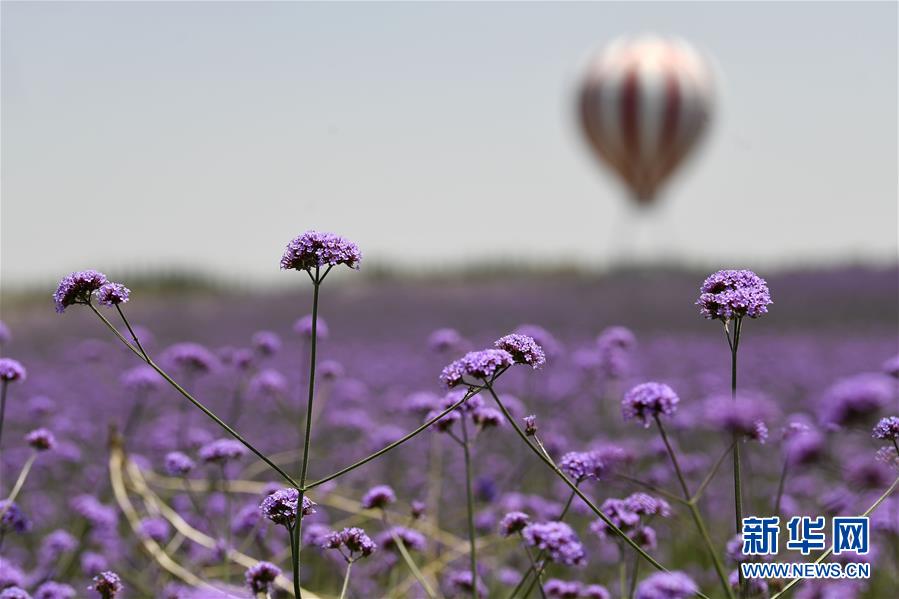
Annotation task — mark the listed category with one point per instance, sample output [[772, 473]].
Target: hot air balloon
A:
[[644, 104]]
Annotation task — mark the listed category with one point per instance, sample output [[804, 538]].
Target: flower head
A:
[[54, 590], [303, 327], [646, 401], [563, 589], [558, 540], [378, 497], [41, 439], [14, 518], [412, 539], [108, 584], [357, 543], [266, 343], [486, 417], [729, 294], [743, 415], [113, 294], [222, 451], [460, 584], [191, 358], [77, 288], [313, 250], [855, 399], [14, 593], [513, 522], [666, 585], [155, 528], [523, 349], [281, 506], [887, 429], [178, 464], [12, 370], [141, 378], [261, 576], [483, 364], [443, 340], [580, 466], [530, 425]]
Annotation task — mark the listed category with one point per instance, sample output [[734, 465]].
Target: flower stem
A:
[[346, 579], [19, 483], [294, 534], [694, 511], [734, 344], [780, 486], [401, 547], [146, 358], [469, 496], [397, 443], [2, 406]]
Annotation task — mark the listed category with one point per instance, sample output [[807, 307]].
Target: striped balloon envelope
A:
[[644, 104]]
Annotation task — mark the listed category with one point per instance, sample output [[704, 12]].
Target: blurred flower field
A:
[[135, 480]]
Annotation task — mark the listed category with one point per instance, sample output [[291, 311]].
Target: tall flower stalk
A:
[[730, 296]]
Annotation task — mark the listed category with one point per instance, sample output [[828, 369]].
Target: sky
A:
[[204, 136]]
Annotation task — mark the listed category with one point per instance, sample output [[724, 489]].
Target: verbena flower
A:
[[113, 294], [487, 417], [378, 497], [530, 425], [108, 584], [743, 415], [580, 466], [595, 591], [141, 379], [266, 343], [550, 345], [303, 327], [444, 340], [14, 518], [613, 348], [887, 429], [12, 370], [891, 367], [157, 529], [446, 422], [261, 577], [666, 585], [178, 464], [729, 294], [483, 364], [563, 589], [357, 543], [222, 451], [459, 583], [558, 540], [281, 506], [855, 399], [54, 590], [192, 358], [313, 250], [14, 593], [523, 349], [412, 539], [91, 509], [648, 400], [268, 383], [55, 545], [41, 439], [77, 288], [512, 523]]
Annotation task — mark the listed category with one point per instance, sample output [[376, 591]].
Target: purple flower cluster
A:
[[281, 506], [729, 294], [313, 250], [261, 577], [107, 584], [77, 288], [512, 523], [11, 370], [580, 466], [411, 539], [41, 439], [479, 365], [222, 451], [113, 294], [647, 401], [523, 349], [666, 585], [887, 429], [354, 540], [558, 540], [378, 497]]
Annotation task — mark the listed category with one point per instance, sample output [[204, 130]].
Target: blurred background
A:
[[195, 139]]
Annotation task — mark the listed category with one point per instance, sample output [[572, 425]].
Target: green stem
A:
[[711, 475], [311, 397], [470, 504], [2, 406], [346, 579], [195, 402], [534, 568], [738, 478], [471, 393], [294, 534], [411, 563], [780, 486], [694, 511], [19, 483]]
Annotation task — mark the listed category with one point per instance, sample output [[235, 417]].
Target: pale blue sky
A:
[[139, 135]]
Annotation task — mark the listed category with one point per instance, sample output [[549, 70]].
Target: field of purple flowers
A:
[[600, 485]]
